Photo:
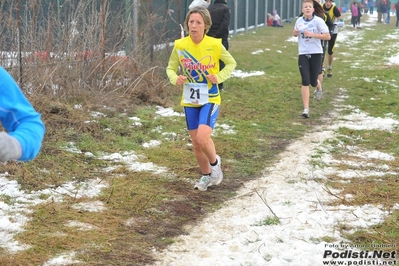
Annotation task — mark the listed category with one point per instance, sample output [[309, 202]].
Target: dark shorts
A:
[[331, 43], [309, 66]]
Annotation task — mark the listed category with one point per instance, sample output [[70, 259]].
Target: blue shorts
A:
[[203, 115]]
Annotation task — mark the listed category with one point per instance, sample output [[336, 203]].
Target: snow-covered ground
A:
[[240, 233], [245, 231]]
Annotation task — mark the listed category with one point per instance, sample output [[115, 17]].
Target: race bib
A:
[[196, 93]]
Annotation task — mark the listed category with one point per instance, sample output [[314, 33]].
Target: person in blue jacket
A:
[[371, 6], [25, 130]]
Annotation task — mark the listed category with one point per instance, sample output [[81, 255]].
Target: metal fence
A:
[[126, 23], [245, 14], [108, 26]]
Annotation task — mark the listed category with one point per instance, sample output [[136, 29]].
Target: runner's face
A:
[[307, 9], [328, 4], [196, 25]]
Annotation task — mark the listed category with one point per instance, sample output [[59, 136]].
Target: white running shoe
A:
[[305, 113], [317, 94], [203, 183], [216, 172]]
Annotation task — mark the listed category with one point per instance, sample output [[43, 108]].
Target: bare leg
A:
[[319, 84], [330, 60], [204, 148], [305, 96]]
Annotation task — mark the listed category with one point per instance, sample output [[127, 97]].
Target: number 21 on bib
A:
[[196, 93]]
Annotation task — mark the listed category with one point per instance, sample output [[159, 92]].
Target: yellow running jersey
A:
[[330, 11], [198, 61]]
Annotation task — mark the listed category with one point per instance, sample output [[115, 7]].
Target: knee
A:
[[199, 142], [202, 141], [196, 145]]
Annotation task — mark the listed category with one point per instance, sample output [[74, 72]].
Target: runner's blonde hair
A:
[[205, 15]]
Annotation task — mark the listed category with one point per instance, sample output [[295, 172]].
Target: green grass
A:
[[144, 210], [271, 220]]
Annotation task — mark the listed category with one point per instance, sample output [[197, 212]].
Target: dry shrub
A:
[[86, 55], [119, 84]]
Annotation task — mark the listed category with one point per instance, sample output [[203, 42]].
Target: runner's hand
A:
[[212, 78], [10, 148], [180, 80]]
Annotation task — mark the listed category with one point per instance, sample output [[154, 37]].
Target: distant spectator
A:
[[397, 13], [355, 14], [220, 15], [276, 19], [384, 10], [365, 5], [378, 4], [269, 19], [359, 14], [203, 3], [388, 19], [371, 6]]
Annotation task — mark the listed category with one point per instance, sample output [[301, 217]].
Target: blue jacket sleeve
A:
[[19, 118]]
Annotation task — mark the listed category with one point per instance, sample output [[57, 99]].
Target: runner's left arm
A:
[[230, 65]]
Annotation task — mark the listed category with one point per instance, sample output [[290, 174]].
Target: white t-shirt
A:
[[309, 45]]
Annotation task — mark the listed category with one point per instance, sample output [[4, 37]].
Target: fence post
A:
[[235, 16], [246, 15], [256, 14]]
